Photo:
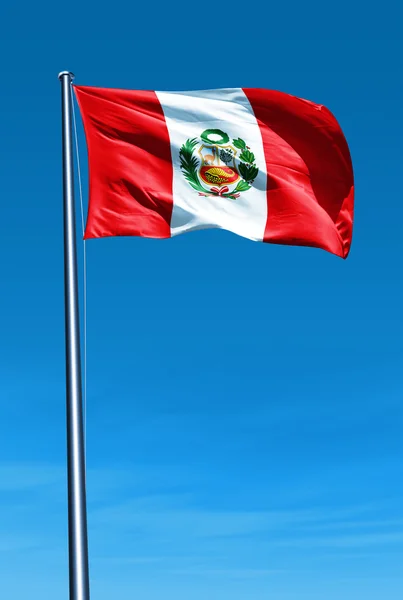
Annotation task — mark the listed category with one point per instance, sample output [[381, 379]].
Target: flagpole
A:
[[77, 510]]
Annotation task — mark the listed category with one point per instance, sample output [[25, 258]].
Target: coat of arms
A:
[[216, 166]]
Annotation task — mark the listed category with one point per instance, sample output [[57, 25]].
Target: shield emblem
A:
[[217, 164]]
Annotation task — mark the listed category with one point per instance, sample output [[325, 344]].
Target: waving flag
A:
[[263, 164]]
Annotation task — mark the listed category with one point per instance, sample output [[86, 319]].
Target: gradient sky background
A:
[[244, 400]]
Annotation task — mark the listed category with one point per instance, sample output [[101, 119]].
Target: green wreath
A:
[[189, 164], [209, 136]]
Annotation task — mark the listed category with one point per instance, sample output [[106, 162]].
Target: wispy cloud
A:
[[15, 477], [173, 532], [156, 522], [16, 542], [240, 573], [362, 540]]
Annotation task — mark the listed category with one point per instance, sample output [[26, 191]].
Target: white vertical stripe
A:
[[187, 115]]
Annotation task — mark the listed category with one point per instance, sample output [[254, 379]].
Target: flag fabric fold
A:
[[265, 165]]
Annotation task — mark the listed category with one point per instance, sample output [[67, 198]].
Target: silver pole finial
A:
[[69, 73]]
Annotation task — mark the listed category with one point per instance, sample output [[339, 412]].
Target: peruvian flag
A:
[[263, 164]]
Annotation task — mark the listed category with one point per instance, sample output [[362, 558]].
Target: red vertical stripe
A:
[[130, 166], [309, 172]]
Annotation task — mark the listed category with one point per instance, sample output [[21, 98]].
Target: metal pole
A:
[[77, 510]]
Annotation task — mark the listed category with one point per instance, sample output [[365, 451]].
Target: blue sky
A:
[[244, 400]]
